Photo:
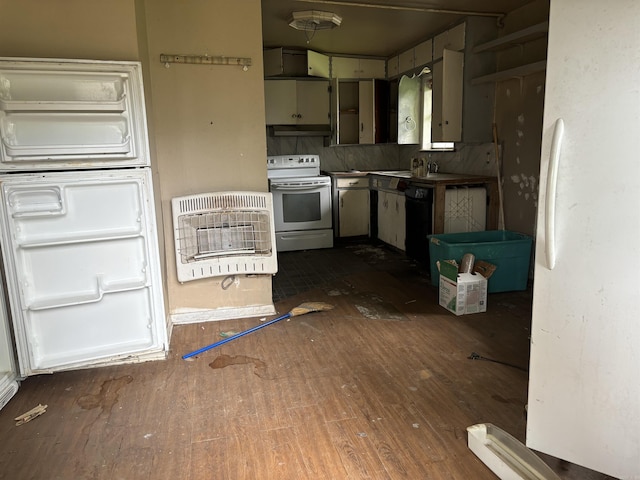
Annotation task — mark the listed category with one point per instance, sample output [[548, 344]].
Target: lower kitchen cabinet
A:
[[351, 206], [392, 219]]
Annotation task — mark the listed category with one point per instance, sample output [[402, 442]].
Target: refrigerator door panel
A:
[[583, 390], [71, 114], [82, 261]]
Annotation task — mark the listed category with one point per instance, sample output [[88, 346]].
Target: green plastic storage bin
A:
[[509, 251]]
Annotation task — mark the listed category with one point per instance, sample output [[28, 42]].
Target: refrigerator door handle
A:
[[550, 199]]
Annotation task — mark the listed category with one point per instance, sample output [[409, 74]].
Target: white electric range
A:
[[301, 202]]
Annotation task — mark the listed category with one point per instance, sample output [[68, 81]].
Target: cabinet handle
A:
[[550, 199], [341, 202], [362, 127]]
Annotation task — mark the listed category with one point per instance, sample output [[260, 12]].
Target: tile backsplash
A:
[[477, 159]]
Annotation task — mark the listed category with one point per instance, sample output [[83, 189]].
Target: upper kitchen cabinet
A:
[[430, 104], [360, 111], [461, 111], [414, 58], [446, 115], [285, 62], [452, 39], [354, 67], [297, 102]]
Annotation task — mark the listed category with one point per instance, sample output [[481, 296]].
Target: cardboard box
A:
[[461, 293]]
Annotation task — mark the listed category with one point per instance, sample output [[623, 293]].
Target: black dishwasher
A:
[[419, 212]]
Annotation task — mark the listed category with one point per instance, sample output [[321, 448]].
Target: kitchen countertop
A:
[[431, 179], [364, 173]]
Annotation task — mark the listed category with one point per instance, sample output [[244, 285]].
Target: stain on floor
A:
[[223, 361], [108, 395]]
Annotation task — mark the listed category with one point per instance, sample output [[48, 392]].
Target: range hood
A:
[[300, 130]]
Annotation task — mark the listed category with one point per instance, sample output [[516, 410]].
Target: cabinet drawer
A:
[[352, 182]]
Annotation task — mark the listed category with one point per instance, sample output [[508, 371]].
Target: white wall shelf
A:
[[517, 72], [515, 39], [520, 37]]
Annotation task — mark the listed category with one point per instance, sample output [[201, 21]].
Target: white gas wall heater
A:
[[224, 233]]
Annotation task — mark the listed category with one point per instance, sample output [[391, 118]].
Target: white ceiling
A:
[[376, 28]]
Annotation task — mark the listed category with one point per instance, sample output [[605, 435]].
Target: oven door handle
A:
[[309, 186]]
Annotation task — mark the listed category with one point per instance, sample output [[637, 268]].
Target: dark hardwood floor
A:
[[380, 387]]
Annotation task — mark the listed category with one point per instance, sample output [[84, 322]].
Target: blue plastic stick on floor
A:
[[237, 335]]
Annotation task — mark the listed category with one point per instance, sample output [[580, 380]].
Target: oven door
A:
[[301, 203]]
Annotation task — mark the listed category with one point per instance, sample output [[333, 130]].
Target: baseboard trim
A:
[[217, 314]]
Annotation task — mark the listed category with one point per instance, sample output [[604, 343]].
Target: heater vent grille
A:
[[224, 233]]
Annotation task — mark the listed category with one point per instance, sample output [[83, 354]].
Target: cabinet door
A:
[[352, 67], [313, 102], [392, 67], [447, 97], [423, 53], [372, 68], [408, 110], [280, 102], [391, 219], [317, 64], [452, 39], [455, 38], [406, 61], [366, 134], [385, 218], [345, 67], [400, 225], [353, 212]]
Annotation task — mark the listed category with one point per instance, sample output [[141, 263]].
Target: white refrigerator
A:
[[78, 229], [584, 388]]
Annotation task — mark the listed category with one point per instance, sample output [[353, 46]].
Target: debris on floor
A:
[[230, 333], [31, 414]]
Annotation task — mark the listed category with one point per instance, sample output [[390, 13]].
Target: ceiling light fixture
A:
[[313, 20], [310, 21]]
